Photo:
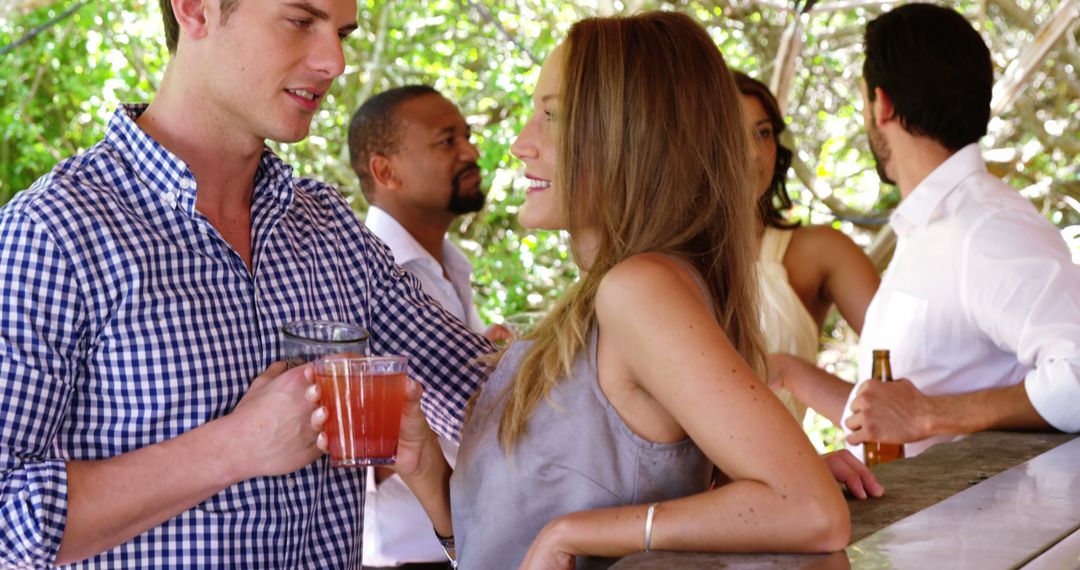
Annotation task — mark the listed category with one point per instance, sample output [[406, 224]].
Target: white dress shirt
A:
[[396, 528], [455, 294], [981, 293]]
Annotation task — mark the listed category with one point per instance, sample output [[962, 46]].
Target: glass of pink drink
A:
[[363, 397]]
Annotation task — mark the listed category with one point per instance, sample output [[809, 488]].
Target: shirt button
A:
[[186, 183], [291, 482]]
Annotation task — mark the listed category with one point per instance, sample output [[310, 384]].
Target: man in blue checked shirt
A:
[[142, 287]]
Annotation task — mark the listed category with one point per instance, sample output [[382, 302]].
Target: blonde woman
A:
[[595, 437]]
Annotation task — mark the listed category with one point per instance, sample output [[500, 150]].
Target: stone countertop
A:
[[911, 485]]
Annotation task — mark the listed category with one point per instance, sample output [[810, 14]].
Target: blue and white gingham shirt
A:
[[126, 320]]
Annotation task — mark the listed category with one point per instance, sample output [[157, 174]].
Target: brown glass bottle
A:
[[877, 453]]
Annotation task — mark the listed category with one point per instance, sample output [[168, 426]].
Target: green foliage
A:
[[469, 54], [57, 90]]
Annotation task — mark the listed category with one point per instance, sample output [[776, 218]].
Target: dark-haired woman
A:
[[804, 270]]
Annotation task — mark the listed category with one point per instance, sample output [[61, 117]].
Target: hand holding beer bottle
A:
[[877, 452]]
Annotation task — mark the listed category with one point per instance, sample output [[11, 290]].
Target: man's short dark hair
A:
[[375, 129], [172, 28], [935, 68]]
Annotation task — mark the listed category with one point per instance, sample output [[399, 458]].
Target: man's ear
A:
[[193, 17], [883, 107], [382, 172]]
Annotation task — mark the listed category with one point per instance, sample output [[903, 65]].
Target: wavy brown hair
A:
[[652, 157], [773, 204]]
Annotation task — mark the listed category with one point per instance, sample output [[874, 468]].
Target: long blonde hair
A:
[[652, 157]]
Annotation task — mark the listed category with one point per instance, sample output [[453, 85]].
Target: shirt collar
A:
[[405, 247], [922, 206], [166, 176]]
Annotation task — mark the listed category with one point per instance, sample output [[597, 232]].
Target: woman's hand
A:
[[416, 440], [547, 551], [778, 367], [858, 478], [421, 464], [498, 334]]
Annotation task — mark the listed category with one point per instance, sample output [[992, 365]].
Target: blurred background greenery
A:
[[66, 64]]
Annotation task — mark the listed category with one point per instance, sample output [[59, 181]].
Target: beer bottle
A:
[[875, 452]]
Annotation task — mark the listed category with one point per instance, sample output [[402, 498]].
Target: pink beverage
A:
[[363, 397]]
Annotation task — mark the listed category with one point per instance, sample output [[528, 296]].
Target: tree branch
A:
[[1017, 76], [1034, 125], [374, 65], [791, 44], [771, 5], [40, 72], [1015, 14], [838, 208], [850, 4], [34, 32], [498, 25]]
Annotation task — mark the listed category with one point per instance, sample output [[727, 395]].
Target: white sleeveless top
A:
[[787, 325]]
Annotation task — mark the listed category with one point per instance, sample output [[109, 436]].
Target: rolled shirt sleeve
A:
[[1029, 304], [39, 338], [33, 508], [1054, 389], [445, 354]]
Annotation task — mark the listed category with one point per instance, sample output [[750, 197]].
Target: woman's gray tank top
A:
[[576, 455]]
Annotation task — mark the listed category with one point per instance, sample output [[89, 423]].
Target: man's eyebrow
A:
[[453, 130], [310, 9], [321, 15]]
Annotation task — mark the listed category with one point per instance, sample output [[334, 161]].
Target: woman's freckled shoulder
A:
[[637, 280]]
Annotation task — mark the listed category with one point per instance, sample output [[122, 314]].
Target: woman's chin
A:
[[530, 221]]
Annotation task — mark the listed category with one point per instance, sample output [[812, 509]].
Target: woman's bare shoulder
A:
[[819, 236], [642, 277], [651, 266], [822, 244]]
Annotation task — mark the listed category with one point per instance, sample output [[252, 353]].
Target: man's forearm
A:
[[997, 408], [111, 501]]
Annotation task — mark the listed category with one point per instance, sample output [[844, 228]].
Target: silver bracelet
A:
[[648, 526], [447, 543]]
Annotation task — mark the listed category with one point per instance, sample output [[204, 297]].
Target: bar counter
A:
[[911, 487]]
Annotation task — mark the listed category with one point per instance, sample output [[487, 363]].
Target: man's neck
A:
[[915, 158], [224, 162]]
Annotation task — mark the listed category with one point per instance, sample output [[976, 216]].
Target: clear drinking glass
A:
[[523, 323], [363, 397], [304, 341]]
